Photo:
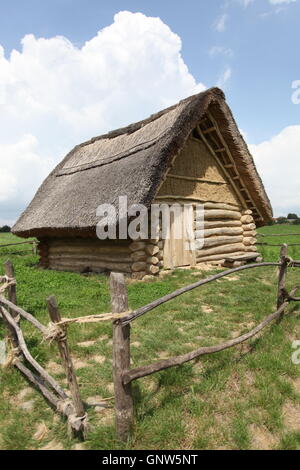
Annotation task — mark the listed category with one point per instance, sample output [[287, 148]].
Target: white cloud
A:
[[226, 75], [278, 163], [279, 2], [221, 23], [220, 50], [54, 95]]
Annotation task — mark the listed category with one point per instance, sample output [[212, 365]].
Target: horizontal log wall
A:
[[83, 255], [228, 231]]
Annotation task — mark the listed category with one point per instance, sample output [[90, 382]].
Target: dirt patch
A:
[[41, 432], [99, 359], [291, 416], [106, 416], [79, 446], [79, 363], [53, 445], [23, 393], [163, 354], [262, 438], [103, 338], [54, 368], [136, 344], [232, 278], [206, 308], [27, 405], [86, 344]]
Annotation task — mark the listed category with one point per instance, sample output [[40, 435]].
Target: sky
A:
[[74, 69]]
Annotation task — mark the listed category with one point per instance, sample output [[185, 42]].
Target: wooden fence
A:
[[34, 244], [122, 318], [264, 235]]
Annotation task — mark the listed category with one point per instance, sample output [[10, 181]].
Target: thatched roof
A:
[[131, 161]]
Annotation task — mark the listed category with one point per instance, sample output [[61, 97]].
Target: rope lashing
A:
[[55, 331]]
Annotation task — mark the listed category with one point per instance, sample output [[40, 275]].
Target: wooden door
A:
[[179, 252]]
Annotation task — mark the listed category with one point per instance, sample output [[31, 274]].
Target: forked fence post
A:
[[121, 358], [12, 297], [281, 294], [61, 338]]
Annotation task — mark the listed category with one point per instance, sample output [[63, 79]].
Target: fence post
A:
[[121, 358], [12, 296], [67, 363], [282, 277]]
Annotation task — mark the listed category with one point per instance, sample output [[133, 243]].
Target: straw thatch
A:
[[131, 161]]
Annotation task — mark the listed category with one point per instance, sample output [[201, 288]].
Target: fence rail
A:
[[121, 318], [34, 244]]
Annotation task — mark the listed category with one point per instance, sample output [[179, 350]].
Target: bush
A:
[[282, 220], [5, 229]]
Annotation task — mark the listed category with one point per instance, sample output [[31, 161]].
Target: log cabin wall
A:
[[86, 254]]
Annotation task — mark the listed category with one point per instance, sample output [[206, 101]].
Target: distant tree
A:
[[296, 222], [282, 220], [5, 229], [292, 216]]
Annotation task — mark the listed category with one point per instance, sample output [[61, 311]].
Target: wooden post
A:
[[67, 362], [121, 358], [282, 278], [12, 296], [12, 290]]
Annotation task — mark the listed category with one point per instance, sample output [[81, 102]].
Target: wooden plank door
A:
[[179, 252]]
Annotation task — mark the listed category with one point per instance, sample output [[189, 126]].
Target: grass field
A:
[[243, 398]]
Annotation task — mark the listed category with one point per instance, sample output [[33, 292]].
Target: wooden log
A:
[[151, 269], [89, 250], [139, 266], [248, 241], [93, 258], [152, 260], [23, 347], [251, 248], [235, 247], [139, 256], [222, 214], [247, 219], [121, 358], [84, 268], [65, 355], [220, 205], [211, 224], [66, 408], [249, 227], [281, 293], [218, 257], [133, 374], [12, 297], [221, 241], [151, 250], [221, 231], [137, 246], [247, 212], [19, 311], [250, 234], [79, 266]]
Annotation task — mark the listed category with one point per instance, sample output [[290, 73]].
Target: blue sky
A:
[[248, 47]]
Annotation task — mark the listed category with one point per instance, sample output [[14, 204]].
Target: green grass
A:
[[243, 398]]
